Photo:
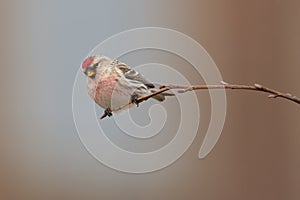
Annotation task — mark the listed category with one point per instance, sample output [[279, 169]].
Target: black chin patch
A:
[[87, 71]]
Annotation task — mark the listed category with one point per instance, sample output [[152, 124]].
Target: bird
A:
[[115, 86]]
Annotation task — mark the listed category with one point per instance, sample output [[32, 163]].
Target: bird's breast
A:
[[105, 90]]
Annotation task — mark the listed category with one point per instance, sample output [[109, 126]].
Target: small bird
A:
[[115, 86]]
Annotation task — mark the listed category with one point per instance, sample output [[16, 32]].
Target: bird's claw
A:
[[107, 112], [134, 99]]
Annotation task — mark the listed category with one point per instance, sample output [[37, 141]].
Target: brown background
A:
[[42, 45]]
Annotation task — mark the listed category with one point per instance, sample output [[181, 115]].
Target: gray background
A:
[[42, 45]]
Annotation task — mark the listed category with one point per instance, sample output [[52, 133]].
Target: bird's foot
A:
[[107, 112], [134, 99]]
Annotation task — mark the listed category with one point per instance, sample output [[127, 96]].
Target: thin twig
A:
[[223, 85]]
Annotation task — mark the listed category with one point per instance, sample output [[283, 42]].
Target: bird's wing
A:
[[131, 74]]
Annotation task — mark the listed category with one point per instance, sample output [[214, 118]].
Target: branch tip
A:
[[224, 83], [272, 96], [258, 86]]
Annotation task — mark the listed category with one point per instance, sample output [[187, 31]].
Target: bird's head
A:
[[89, 66]]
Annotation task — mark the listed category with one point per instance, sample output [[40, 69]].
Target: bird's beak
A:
[[90, 73]]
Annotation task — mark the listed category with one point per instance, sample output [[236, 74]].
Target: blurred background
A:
[[42, 46]]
